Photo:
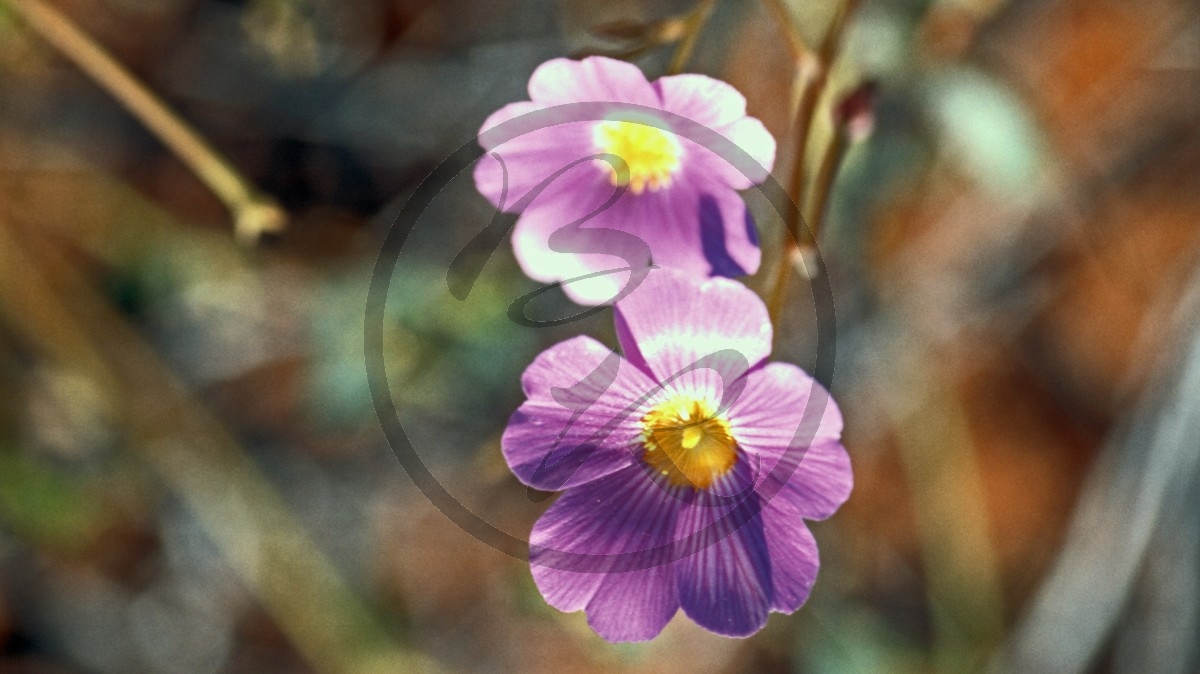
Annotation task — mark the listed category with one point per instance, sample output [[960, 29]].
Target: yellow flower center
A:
[[686, 443], [651, 153]]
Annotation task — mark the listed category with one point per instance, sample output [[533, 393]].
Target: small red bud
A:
[[856, 112]]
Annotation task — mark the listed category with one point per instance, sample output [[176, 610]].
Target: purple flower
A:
[[689, 465], [669, 149]]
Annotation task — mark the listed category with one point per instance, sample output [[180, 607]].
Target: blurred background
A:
[[193, 477]]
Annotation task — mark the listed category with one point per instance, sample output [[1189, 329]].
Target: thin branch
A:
[[823, 185], [853, 120], [814, 76], [814, 84], [796, 45], [695, 25], [254, 212]]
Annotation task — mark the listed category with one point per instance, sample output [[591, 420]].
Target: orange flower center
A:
[[687, 443]]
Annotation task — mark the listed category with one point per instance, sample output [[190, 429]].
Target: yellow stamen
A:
[[687, 443], [651, 153]]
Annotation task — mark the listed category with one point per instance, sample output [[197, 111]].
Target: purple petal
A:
[[736, 171], [701, 99], [817, 479], [509, 170], [677, 227], [635, 605], [701, 232], [548, 249], [728, 236], [712, 240], [673, 321], [725, 583], [576, 425], [605, 547], [792, 424], [782, 402], [666, 221], [718, 106], [595, 78], [793, 551]]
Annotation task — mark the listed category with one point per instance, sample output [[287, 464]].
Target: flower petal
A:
[[576, 425], [605, 547], [672, 321], [701, 232], [679, 228], [727, 235], [596, 78], [526, 144], [793, 551], [701, 99], [750, 135], [718, 106], [725, 583], [782, 402], [793, 425], [549, 248], [635, 605], [818, 478]]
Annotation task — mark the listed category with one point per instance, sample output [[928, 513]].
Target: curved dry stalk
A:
[[254, 212]]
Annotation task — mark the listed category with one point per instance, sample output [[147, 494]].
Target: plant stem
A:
[[818, 198], [695, 24], [254, 212], [811, 85], [779, 282], [814, 79], [796, 47], [813, 89]]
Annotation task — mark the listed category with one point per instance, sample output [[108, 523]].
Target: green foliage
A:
[[48, 508]]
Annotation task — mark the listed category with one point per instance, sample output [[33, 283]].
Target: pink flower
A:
[[651, 149], [689, 464]]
